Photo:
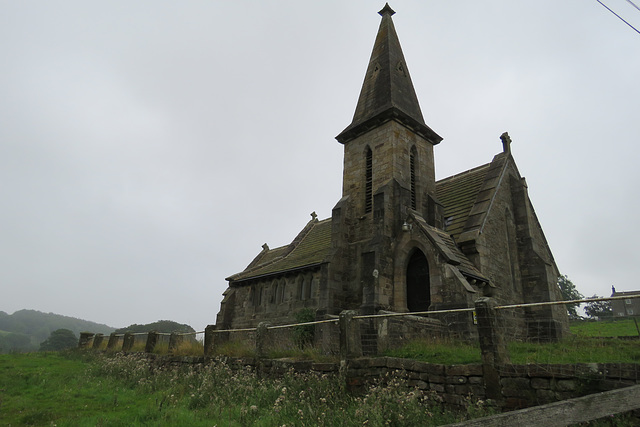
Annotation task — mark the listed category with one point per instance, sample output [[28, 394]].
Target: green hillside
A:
[[159, 326], [24, 330]]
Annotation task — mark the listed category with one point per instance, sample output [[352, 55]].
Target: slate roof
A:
[[458, 194], [309, 249], [445, 244], [466, 198]]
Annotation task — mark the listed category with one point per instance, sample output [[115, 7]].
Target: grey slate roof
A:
[[465, 197], [309, 249], [458, 194]]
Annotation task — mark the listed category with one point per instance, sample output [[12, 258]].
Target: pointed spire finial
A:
[[387, 10]]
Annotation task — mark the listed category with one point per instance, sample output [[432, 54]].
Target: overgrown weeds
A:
[[219, 392], [90, 388]]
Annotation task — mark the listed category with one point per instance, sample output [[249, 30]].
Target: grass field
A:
[[72, 389], [591, 342], [90, 389], [606, 328]]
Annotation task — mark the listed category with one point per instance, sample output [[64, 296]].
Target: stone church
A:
[[398, 240]]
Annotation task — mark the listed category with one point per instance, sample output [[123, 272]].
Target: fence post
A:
[[174, 341], [492, 346], [113, 340], [127, 342], [210, 340], [85, 339], [152, 340], [350, 339], [262, 334], [97, 341]]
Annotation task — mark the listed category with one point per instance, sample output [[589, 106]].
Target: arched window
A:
[[368, 181], [308, 288], [418, 286], [273, 290], [300, 291], [282, 284], [257, 300], [413, 158]]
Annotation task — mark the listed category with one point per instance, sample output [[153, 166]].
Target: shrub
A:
[[303, 334]]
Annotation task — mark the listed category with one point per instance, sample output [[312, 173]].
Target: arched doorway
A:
[[418, 289]]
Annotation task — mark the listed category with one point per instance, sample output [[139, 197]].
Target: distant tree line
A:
[[167, 326], [596, 310]]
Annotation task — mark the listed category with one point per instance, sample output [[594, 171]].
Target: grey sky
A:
[[148, 149]]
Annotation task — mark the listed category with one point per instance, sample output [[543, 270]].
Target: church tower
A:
[[388, 171], [388, 134]]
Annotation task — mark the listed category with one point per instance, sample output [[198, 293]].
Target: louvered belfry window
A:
[[368, 186], [412, 162]]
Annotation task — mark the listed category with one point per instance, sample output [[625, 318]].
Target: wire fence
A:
[[532, 333], [516, 355]]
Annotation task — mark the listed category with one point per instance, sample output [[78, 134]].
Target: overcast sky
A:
[[148, 149]]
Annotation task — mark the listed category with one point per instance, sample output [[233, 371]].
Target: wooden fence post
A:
[[152, 340], [350, 339], [85, 339], [262, 334], [492, 346], [127, 342], [97, 341]]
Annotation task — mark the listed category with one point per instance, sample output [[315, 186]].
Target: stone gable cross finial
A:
[[387, 10], [506, 142]]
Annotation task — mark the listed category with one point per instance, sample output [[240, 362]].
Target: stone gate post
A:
[[350, 340], [113, 340], [262, 335], [85, 339], [174, 341], [152, 340], [97, 341], [492, 345], [127, 342]]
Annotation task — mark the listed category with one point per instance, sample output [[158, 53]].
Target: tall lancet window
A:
[[368, 181], [412, 164]]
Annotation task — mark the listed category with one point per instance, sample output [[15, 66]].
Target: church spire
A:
[[387, 92]]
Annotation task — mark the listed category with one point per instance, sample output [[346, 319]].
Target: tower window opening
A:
[[368, 190], [412, 165]]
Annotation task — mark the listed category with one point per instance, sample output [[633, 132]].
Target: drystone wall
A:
[[455, 386]]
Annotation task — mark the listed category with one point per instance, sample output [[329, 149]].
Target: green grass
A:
[[449, 353], [605, 328], [89, 389], [577, 349], [93, 389]]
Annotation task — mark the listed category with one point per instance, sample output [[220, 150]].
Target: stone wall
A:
[[453, 385], [394, 332], [520, 385], [272, 300]]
